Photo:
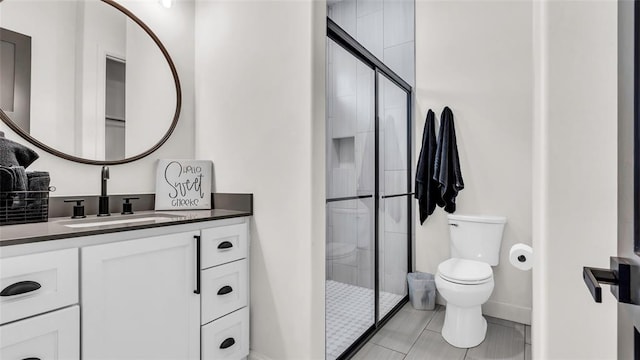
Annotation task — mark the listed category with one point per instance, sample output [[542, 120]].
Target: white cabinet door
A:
[[54, 335], [138, 299]]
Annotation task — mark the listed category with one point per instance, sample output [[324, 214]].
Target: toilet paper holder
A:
[[621, 275]]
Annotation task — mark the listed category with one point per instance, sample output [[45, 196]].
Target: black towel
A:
[[14, 154], [447, 163], [427, 191]]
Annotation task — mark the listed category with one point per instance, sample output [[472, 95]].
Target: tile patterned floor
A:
[[415, 335], [349, 313]]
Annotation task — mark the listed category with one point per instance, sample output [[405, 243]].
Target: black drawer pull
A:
[[21, 287], [225, 245], [31, 358], [229, 342], [198, 281], [225, 290]]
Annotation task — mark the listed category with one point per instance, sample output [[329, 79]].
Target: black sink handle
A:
[[21, 287]]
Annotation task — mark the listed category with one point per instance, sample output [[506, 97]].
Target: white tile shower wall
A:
[[386, 28], [367, 7], [395, 182], [401, 59], [365, 167], [370, 33], [365, 95], [395, 138], [398, 22], [345, 226]]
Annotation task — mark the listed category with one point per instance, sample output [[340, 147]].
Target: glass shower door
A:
[[394, 194], [350, 274]]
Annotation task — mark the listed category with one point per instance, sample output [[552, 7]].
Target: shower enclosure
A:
[[369, 196]]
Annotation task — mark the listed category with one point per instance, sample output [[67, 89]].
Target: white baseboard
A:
[[257, 356], [507, 312]]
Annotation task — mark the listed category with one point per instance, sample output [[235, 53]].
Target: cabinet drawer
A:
[[224, 289], [227, 337], [38, 282], [223, 244], [54, 335]]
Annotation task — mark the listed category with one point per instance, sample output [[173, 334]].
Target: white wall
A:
[[101, 31], [52, 28], [150, 92], [476, 58], [175, 29], [260, 118], [575, 176]]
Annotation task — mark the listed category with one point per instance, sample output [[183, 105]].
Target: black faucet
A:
[[103, 201]]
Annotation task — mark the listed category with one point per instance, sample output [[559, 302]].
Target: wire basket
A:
[[21, 207]]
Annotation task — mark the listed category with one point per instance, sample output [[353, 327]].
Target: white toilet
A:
[[466, 280]]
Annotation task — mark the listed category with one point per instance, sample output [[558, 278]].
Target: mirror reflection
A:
[[83, 78]]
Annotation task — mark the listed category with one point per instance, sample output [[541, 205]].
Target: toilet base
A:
[[464, 327]]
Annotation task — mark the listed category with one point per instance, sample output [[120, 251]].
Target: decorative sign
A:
[[183, 184]]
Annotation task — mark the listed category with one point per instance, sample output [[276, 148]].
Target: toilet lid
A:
[[465, 271], [338, 250]]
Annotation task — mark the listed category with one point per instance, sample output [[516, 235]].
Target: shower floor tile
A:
[[349, 313]]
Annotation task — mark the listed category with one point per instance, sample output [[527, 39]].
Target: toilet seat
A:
[[339, 250], [465, 272]]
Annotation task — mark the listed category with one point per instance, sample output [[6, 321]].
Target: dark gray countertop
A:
[[56, 229]]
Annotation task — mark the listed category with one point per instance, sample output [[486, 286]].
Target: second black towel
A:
[[447, 163]]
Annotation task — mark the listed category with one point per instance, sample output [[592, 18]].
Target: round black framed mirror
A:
[[86, 80]]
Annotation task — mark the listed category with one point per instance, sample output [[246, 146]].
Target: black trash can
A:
[[422, 290]]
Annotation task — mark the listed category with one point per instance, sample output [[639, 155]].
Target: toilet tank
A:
[[476, 237]]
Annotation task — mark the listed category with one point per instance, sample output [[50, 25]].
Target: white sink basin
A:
[[120, 220]]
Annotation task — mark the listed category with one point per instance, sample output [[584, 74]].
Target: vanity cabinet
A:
[[54, 335], [38, 306], [173, 292], [225, 292], [138, 299]]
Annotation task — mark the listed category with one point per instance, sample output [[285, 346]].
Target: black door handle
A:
[[225, 290], [31, 358], [623, 275], [593, 277], [229, 342], [21, 287], [225, 245]]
